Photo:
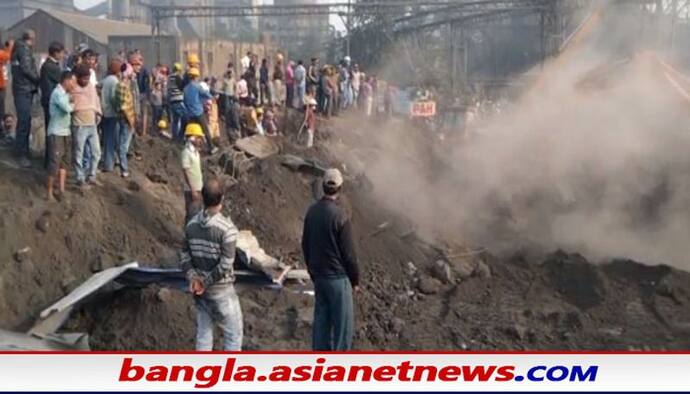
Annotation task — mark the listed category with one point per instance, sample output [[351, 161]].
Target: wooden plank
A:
[[259, 146]]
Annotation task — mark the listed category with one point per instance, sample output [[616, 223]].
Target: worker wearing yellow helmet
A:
[[191, 167], [193, 60], [194, 98], [162, 124], [175, 98]]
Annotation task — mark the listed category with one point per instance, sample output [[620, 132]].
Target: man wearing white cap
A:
[[329, 253]]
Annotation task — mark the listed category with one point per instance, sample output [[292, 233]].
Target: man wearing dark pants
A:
[[25, 81], [330, 257], [51, 72]]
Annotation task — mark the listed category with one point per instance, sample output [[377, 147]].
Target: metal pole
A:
[[674, 20], [158, 40], [453, 58], [348, 27], [543, 38]]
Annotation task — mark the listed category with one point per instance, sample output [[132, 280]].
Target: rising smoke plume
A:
[[594, 159]]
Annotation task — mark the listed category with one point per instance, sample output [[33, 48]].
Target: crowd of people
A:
[[90, 123]]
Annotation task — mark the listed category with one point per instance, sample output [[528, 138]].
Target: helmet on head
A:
[[162, 124], [193, 130], [193, 58], [259, 111], [193, 72], [279, 57], [177, 67]]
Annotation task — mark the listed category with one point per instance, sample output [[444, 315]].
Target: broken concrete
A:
[[258, 146]]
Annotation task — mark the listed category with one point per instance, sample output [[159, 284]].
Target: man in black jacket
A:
[[50, 77], [25, 81], [330, 256]]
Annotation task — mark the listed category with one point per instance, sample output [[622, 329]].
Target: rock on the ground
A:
[[67, 283], [410, 268], [442, 271], [22, 255], [482, 270], [463, 268], [164, 295], [665, 287], [428, 285], [43, 223]]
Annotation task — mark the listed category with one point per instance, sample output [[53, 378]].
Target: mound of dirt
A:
[[415, 294]]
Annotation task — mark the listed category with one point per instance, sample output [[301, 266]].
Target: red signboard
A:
[[423, 109]]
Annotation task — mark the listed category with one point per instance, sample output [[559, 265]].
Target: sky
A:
[[81, 4], [335, 20]]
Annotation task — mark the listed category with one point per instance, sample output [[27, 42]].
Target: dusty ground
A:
[[415, 295]]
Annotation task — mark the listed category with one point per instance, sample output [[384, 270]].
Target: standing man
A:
[[25, 80], [278, 94], [85, 118], [110, 121], [330, 257], [60, 156], [207, 259], [313, 72], [290, 85], [191, 168], [356, 83], [5, 54], [300, 84], [245, 61], [265, 97], [231, 106], [50, 78], [176, 103], [125, 107], [194, 98]]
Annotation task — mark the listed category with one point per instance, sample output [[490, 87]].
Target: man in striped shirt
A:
[[207, 259]]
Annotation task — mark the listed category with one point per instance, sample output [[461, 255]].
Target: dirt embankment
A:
[[416, 295]]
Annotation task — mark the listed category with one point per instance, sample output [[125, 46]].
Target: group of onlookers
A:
[[90, 123]]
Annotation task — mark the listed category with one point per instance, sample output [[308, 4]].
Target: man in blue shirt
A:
[[59, 132], [194, 97]]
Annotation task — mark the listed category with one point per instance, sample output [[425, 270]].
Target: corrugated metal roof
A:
[[100, 29]]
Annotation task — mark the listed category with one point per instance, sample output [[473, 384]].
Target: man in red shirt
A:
[[5, 54]]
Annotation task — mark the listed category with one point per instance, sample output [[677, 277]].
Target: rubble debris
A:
[[163, 295], [22, 254], [379, 229], [428, 285], [442, 271], [235, 163], [463, 268], [581, 283], [43, 223], [481, 270], [14, 341], [258, 146], [664, 287], [298, 164], [87, 288], [134, 186], [410, 268], [156, 178]]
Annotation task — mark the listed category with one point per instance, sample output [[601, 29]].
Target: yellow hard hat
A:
[[194, 72], [259, 111], [193, 58], [177, 67], [162, 124], [193, 130]]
